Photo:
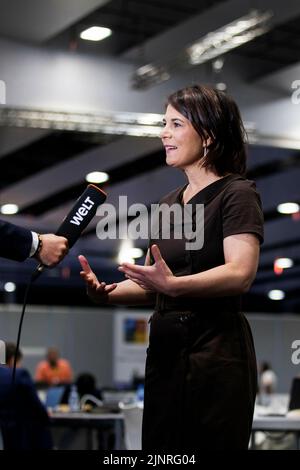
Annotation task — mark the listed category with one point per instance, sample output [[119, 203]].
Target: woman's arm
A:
[[129, 293], [241, 253], [121, 293]]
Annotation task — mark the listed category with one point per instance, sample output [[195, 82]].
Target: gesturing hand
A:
[[157, 277], [97, 291]]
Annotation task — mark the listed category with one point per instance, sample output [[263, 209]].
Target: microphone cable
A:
[[33, 277]]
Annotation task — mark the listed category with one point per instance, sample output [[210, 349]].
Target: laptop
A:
[[294, 403]]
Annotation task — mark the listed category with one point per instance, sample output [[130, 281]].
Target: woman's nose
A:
[[165, 133]]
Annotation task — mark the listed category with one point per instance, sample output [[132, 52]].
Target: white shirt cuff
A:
[[35, 243]]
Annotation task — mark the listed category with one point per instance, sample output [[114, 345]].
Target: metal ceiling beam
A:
[[120, 123], [161, 47]]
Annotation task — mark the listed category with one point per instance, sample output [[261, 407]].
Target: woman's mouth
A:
[[170, 148]]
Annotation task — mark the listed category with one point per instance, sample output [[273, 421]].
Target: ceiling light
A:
[[95, 33], [221, 86], [136, 252], [127, 252], [97, 177], [229, 37], [288, 208], [9, 287], [217, 64], [276, 294], [284, 263], [9, 209], [125, 257]]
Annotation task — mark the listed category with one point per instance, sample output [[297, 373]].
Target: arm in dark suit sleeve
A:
[[15, 242], [31, 402]]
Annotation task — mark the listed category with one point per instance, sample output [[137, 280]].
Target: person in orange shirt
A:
[[54, 370]]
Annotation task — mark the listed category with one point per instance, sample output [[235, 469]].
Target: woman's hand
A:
[[97, 291], [155, 278]]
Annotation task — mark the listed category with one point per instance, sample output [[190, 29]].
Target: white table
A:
[[276, 423], [90, 421]]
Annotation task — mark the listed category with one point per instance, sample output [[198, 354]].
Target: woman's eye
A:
[[176, 124]]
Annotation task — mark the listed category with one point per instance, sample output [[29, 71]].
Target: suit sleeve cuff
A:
[[35, 243]]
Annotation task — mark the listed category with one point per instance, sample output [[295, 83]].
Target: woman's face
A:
[[183, 145]]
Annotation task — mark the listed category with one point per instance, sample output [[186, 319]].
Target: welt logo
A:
[[82, 211], [2, 92]]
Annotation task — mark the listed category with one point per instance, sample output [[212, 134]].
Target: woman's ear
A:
[[207, 142]]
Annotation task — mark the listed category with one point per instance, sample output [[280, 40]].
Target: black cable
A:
[[33, 277]]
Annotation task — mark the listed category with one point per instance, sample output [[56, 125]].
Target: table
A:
[[276, 423], [90, 421]]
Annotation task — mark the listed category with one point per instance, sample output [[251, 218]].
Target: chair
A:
[[91, 398], [133, 416]]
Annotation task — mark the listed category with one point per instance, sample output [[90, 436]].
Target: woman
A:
[[201, 376]]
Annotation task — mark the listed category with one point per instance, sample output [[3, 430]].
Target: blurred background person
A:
[[54, 370], [268, 379], [23, 418], [85, 385], [267, 383]]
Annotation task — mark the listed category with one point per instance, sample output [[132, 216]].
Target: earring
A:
[[205, 151]]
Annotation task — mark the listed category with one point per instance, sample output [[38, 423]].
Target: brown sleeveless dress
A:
[[201, 378]]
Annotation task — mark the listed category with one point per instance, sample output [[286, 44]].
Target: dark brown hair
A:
[[214, 114], [11, 352]]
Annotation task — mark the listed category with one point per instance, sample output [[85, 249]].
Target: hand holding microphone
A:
[[74, 223], [51, 250]]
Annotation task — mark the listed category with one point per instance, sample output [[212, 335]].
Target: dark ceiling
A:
[[132, 21], [274, 50]]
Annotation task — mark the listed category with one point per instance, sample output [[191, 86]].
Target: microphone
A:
[[78, 218]]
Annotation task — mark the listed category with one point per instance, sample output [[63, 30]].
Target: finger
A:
[[143, 286], [130, 275], [136, 281], [86, 277], [156, 253], [110, 288], [84, 264], [90, 278], [99, 288], [91, 281], [132, 269]]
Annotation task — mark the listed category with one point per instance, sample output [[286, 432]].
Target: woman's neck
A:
[[197, 180]]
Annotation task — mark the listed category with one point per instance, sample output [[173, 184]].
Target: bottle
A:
[[74, 399], [140, 393]]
